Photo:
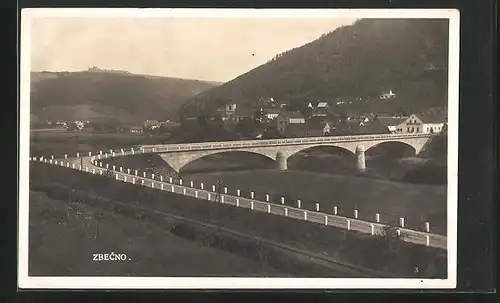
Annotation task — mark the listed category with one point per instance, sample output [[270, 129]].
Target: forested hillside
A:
[[127, 98], [355, 63]]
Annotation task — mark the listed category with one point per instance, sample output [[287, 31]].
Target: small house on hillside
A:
[[136, 130], [151, 124], [242, 113], [289, 117], [271, 113]]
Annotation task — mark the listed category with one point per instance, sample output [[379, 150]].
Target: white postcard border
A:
[[30, 282]]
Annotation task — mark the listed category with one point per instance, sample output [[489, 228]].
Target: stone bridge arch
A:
[[177, 160]]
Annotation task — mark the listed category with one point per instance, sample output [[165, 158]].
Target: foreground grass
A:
[[392, 200], [346, 247], [64, 235]]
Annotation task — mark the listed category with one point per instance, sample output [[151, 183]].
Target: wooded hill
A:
[[127, 98], [356, 63]]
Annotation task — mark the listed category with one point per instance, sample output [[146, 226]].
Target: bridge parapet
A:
[[161, 148]]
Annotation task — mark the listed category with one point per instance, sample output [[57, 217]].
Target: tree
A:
[[272, 133], [245, 127]]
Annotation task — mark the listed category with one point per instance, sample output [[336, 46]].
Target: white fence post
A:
[[78, 155], [114, 167], [183, 190], [124, 178], [355, 214], [402, 222], [208, 198], [286, 212], [52, 157], [116, 176], [100, 152], [222, 199], [161, 186], [267, 198], [170, 179], [173, 188], [427, 227], [142, 181], [238, 192], [144, 174], [237, 202], [326, 220], [398, 232], [152, 184], [317, 207], [161, 178], [180, 181], [153, 176], [427, 240], [305, 215], [213, 188], [348, 224], [251, 205], [65, 156], [192, 184], [93, 171], [298, 203], [282, 200], [252, 195], [377, 217], [268, 208], [372, 229], [73, 166], [107, 165], [196, 194], [121, 169], [201, 185]]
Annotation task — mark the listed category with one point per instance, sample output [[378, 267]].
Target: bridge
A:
[[279, 150]]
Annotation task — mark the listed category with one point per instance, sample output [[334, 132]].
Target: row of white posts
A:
[[252, 196], [238, 192]]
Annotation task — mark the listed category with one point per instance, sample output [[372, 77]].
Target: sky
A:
[[192, 48]]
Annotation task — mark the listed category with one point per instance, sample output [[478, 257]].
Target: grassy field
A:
[[417, 203], [346, 247], [392, 200], [64, 236], [59, 142]]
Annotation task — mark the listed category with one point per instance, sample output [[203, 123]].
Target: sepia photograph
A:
[[238, 148]]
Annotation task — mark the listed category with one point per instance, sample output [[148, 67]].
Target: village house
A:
[[322, 109], [421, 123], [136, 129], [289, 117], [311, 128], [242, 113], [151, 124], [227, 111], [388, 95], [270, 113]]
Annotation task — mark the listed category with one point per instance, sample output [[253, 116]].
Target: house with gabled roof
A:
[[289, 117]]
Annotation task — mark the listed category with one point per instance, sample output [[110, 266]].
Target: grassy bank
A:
[[417, 203], [64, 235], [348, 247]]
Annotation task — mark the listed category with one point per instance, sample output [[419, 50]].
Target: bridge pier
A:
[[281, 163], [360, 153]]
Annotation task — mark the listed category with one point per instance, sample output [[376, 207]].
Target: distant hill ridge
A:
[[366, 59], [110, 95]]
